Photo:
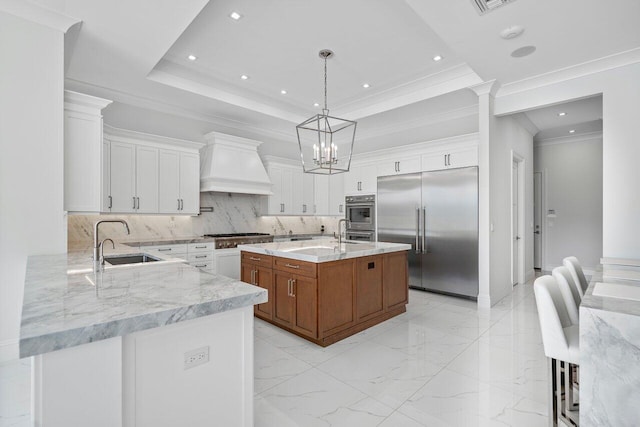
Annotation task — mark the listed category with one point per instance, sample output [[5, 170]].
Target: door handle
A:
[[424, 230], [134, 202], [417, 230], [110, 202], [536, 232], [449, 159], [253, 280], [304, 208], [181, 204], [138, 202], [178, 204], [517, 237], [293, 288], [289, 287]]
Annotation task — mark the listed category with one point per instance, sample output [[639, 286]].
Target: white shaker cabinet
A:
[[361, 179], [133, 178], [281, 201], [83, 153], [400, 165], [178, 182], [321, 194], [457, 158], [336, 194]]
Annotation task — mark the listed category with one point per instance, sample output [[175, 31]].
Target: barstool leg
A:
[[553, 394], [572, 405]]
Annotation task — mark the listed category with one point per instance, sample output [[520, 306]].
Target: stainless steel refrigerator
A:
[[437, 214]]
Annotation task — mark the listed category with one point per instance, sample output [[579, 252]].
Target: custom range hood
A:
[[231, 164]]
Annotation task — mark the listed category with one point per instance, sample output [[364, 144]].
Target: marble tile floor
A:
[[442, 363]]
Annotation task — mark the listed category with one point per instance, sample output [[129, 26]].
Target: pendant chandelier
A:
[[320, 136]]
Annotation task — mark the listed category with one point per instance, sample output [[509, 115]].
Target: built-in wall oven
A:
[[361, 212]]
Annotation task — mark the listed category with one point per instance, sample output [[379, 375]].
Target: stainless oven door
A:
[[361, 216], [361, 236]]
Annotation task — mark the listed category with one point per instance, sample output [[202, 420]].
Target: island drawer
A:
[[180, 249], [296, 267], [200, 257], [257, 259]]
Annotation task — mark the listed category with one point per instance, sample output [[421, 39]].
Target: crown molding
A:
[[590, 136], [489, 87], [38, 14], [580, 70], [125, 135]]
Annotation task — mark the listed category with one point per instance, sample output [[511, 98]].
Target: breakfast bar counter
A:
[[610, 349]]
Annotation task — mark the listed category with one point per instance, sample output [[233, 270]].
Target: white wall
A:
[[620, 88], [32, 219], [572, 168]]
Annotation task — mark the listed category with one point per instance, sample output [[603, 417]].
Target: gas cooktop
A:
[[232, 240]]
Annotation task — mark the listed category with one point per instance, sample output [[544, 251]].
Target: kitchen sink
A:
[[130, 259]]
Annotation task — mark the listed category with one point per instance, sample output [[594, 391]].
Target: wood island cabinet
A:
[[329, 301]]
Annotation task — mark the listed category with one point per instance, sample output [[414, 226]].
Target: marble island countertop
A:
[[67, 304], [323, 250]]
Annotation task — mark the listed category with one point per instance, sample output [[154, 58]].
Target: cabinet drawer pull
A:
[[164, 250], [255, 259], [201, 256], [201, 265], [293, 288], [201, 247], [291, 265], [134, 203], [288, 287], [110, 202]]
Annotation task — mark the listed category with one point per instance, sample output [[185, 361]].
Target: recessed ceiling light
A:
[[235, 15], [284, 92], [366, 85], [244, 77], [523, 51], [192, 57], [562, 114], [572, 131], [315, 104], [437, 58]]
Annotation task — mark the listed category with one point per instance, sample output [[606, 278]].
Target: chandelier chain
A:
[[325, 82]]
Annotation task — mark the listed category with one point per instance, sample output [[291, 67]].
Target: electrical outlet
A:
[[196, 357]]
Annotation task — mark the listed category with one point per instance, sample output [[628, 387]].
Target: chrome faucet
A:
[[101, 249], [346, 224], [97, 244]]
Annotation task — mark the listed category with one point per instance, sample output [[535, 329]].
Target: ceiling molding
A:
[[201, 89], [489, 87], [580, 70], [526, 123], [126, 135], [431, 86], [568, 139], [221, 124], [33, 12], [430, 120]]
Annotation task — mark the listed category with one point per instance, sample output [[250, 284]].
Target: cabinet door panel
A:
[[264, 279], [169, 181], [106, 176], [307, 194], [369, 291], [369, 179], [321, 183], [190, 183], [275, 201], [336, 195], [306, 306], [287, 191], [283, 303], [336, 295], [396, 286], [122, 177], [147, 179], [463, 158], [352, 181]]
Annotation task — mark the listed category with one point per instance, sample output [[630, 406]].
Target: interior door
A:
[[537, 217], [515, 238]]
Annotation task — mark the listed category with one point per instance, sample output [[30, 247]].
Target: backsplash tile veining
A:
[[232, 213]]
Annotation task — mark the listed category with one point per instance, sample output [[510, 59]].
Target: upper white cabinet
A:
[[394, 165], [361, 179], [321, 194], [336, 194], [179, 180], [293, 190], [451, 158], [120, 171], [302, 193], [83, 152]]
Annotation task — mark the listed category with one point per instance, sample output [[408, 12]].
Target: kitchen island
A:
[[325, 291], [160, 343]]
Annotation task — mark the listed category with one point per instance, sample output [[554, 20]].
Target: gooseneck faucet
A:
[[97, 245], [346, 225]]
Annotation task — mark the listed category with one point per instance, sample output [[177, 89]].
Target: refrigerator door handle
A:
[[424, 230], [417, 230]]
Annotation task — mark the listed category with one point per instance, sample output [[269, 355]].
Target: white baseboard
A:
[[484, 301], [8, 350]]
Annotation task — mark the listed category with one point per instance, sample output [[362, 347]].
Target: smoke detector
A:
[[485, 6], [511, 32]]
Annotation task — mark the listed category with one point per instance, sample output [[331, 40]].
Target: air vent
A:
[[485, 6]]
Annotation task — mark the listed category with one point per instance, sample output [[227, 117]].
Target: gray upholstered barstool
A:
[[561, 341]]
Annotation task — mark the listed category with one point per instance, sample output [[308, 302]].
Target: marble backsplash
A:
[[232, 213]]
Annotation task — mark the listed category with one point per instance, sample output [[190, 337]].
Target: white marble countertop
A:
[[610, 304], [323, 250], [67, 304]]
